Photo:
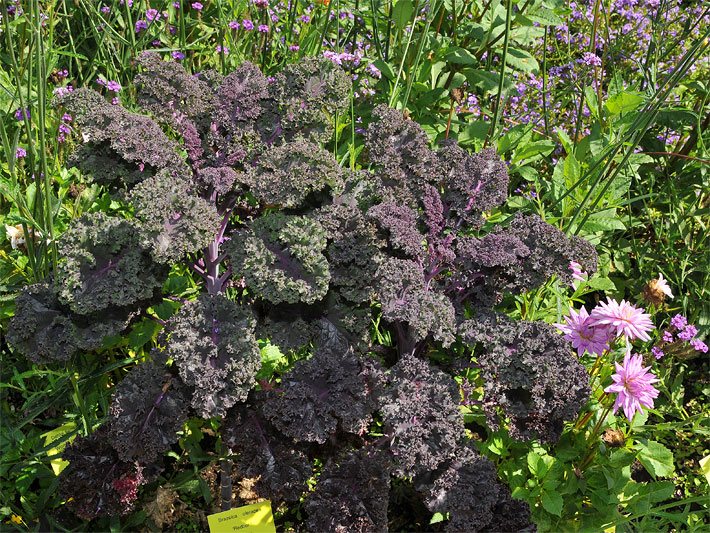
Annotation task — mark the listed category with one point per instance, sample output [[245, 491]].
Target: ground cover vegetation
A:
[[391, 265]]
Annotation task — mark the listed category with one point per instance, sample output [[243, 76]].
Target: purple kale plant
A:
[[228, 176]]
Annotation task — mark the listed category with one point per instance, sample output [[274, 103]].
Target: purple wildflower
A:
[[247, 24], [305, 19], [579, 331], [113, 86], [263, 28], [261, 3], [233, 25], [628, 320], [633, 384], [22, 114], [197, 6], [152, 14], [373, 71], [177, 55], [294, 48], [141, 25], [176, 5], [21, 153], [679, 321], [222, 49], [657, 352], [689, 331], [699, 345], [105, 10], [667, 336]]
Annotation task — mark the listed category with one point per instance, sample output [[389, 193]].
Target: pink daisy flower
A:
[[628, 320], [633, 386], [579, 331]]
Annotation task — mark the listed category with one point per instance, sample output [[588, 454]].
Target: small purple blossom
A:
[[305, 19], [633, 386], [197, 6], [22, 114], [176, 5], [21, 153], [667, 336], [263, 28], [113, 86], [222, 49], [373, 71], [233, 25], [247, 24], [64, 128], [152, 14], [261, 3], [679, 322], [657, 352], [699, 346], [141, 25], [105, 10], [689, 332], [177, 55], [294, 48]]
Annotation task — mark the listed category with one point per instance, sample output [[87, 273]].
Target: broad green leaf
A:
[[572, 169], [656, 458], [483, 79], [461, 56], [402, 13], [601, 284], [436, 518], [534, 150], [386, 69], [543, 16], [476, 130], [624, 102], [58, 464], [552, 502], [142, 333], [705, 467], [606, 220], [521, 60]]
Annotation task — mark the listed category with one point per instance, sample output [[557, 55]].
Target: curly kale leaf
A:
[[281, 466], [45, 331], [473, 183], [466, 487], [420, 409], [174, 222], [405, 299], [148, 408], [96, 482], [281, 258], [289, 174], [213, 345], [332, 390], [399, 149], [517, 258], [120, 148], [353, 250], [169, 92], [241, 97], [400, 223], [352, 494], [529, 373], [103, 265], [308, 94]]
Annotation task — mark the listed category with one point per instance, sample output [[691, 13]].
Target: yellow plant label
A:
[[255, 518]]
